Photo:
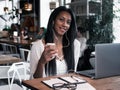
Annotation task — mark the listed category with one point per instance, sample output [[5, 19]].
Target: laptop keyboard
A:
[[91, 72], [87, 72]]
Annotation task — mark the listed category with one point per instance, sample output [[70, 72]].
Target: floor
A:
[[4, 85], [3, 82]]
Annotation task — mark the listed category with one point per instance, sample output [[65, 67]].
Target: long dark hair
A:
[[68, 38]]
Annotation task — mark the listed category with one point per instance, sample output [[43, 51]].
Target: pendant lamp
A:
[[5, 9], [28, 6], [6, 6]]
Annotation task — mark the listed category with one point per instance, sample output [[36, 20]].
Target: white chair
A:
[[3, 71], [25, 54], [3, 75], [18, 71], [92, 61]]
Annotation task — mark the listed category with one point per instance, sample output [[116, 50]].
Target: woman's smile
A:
[[62, 23]]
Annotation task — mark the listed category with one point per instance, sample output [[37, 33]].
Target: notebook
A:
[[107, 61]]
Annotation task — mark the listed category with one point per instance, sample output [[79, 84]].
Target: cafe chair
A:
[[3, 71], [10, 49], [3, 75], [3, 49], [92, 61], [18, 72], [25, 54]]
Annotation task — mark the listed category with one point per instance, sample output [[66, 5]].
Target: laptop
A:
[[107, 61]]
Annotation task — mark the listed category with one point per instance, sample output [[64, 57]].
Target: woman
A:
[[61, 30], [82, 39]]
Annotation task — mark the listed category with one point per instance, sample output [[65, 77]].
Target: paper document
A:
[[53, 81], [73, 79], [81, 83]]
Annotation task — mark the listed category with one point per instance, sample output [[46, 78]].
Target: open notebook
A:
[[81, 83]]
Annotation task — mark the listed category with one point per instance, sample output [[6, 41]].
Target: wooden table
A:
[[6, 59], [22, 43], [11, 41], [110, 83]]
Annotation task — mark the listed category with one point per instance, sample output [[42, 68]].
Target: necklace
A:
[[60, 58], [58, 42]]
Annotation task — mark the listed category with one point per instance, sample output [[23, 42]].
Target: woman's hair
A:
[[68, 39]]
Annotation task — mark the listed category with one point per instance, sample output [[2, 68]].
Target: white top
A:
[[83, 45], [61, 67], [37, 50]]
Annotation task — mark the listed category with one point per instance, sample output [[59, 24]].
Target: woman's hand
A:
[[49, 53]]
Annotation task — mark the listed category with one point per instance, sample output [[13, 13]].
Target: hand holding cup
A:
[[50, 52]]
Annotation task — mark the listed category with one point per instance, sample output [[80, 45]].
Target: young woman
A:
[[61, 30]]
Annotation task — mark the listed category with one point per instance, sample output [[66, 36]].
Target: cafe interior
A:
[[22, 22]]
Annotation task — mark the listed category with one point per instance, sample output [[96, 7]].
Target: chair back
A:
[[25, 54], [3, 71], [10, 49], [18, 71]]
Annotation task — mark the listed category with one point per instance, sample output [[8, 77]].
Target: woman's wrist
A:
[[42, 61], [39, 70]]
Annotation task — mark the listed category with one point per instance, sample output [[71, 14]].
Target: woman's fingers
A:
[[50, 52]]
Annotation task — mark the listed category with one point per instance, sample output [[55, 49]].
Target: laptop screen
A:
[[107, 59]]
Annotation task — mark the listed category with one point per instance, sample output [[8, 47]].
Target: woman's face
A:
[[62, 23]]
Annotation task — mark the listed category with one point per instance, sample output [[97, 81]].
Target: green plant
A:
[[100, 31]]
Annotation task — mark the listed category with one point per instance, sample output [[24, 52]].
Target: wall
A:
[[45, 12]]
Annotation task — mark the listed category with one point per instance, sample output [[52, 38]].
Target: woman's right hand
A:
[[49, 53]]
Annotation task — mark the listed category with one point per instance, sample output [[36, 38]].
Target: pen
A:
[[77, 81]]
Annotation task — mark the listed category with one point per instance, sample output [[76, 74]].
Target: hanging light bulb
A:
[[6, 7], [28, 6]]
